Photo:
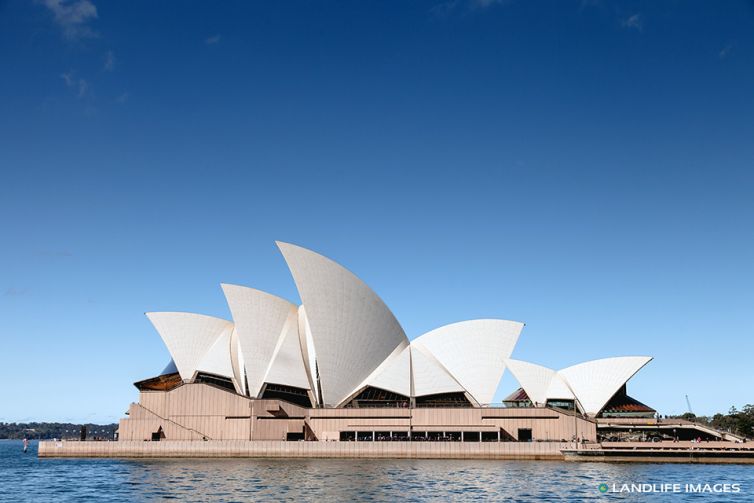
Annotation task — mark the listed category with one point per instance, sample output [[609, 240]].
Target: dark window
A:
[[444, 436], [443, 400], [347, 436], [390, 436], [219, 381], [622, 405], [419, 436], [294, 436], [524, 435], [489, 436], [291, 394], [471, 436], [376, 397], [364, 436], [560, 404]]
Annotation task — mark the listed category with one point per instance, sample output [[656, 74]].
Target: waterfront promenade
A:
[[683, 452], [282, 449]]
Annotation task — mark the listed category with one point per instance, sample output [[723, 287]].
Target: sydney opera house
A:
[[339, 367]]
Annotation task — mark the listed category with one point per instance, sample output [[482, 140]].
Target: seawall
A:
[[281, 449]]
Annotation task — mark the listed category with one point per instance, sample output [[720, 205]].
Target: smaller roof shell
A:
[[592, 383], [473, 352], [595, 382], [188, 337], [540, 383]]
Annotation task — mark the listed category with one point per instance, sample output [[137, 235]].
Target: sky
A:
[[585, 167]]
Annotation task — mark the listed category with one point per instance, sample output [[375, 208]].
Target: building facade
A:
[[339, 367]]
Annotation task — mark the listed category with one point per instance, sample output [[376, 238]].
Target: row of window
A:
[[422, 436]]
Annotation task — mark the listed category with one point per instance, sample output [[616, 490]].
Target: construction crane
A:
[[688, 404]]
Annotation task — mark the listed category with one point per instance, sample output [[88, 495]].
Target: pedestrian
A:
[[26, 445]]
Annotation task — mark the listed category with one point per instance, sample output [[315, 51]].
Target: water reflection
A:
[[24, 477]]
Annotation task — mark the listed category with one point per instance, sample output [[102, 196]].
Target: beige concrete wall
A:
[[205, 400], [155, 401], [206, 411], [141, 423], [276, 429]]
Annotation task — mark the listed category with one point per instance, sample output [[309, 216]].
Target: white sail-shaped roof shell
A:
[[308, 352], [352, 329], [237, 362], [394, 374], [595, 382], [287, 365], [540, 383], [418, 364], [473, 352], [260, 319], [344, 338], [430, 377], [188, 337], [559, 389], [217, 359]]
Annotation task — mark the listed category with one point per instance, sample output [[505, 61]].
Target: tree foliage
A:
[[738, 422], [46, 431]]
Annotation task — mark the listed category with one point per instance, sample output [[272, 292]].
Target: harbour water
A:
[[24, 477]]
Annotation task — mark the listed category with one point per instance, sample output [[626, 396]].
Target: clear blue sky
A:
[[584, 167]]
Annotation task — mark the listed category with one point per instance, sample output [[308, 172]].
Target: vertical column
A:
[[251, 413], [252, 418]]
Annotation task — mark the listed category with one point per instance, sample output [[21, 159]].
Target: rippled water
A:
[[24, 477]]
